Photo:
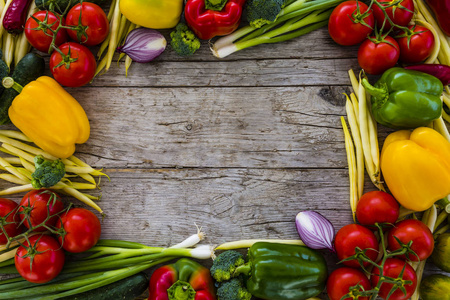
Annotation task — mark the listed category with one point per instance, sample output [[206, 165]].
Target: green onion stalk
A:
[[107, 262], [295, 19]]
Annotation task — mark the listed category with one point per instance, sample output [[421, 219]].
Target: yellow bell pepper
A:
[[50, 117], [416, 167], [157, 14]]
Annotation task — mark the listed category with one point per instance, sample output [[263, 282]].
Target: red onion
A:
[[143, 44], [315, 230], [442, 72]]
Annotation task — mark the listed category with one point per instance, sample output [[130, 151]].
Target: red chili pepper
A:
[[210, 18], [441, 9], [185, 279], [442, 72]]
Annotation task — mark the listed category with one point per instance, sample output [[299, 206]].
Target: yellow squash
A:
[[157, 14], [416, 167], [50, 117]]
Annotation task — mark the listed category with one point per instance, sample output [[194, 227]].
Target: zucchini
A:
[[61, 5], [126, 289], [29, 68]]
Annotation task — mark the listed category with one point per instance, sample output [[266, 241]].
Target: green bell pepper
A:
[[405, 99], [284, 272]]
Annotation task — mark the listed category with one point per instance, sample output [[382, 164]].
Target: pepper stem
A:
[[8, 82], [243, 269], [216, 5], [376, 92], [181, 290]]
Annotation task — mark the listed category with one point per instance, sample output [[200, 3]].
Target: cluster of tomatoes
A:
[[379, 207], [383, 43], [71, 63], [47, 230]]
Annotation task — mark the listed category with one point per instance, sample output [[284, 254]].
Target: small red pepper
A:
[[441, 9], [210, 18], [183, 280]]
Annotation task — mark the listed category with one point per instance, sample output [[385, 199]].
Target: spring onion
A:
[[143, 45], [107, 262], [315, 230], [296, 19]]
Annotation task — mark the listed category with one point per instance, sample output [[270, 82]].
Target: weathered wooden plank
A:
[[295, 127], [276, 72]]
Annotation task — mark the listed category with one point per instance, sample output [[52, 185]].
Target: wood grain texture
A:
[[238, 146]]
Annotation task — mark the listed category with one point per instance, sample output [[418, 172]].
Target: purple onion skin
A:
[[16, 16], [441, 72], [137, 41], [315, 230]]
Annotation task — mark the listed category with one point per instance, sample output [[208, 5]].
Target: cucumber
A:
[[4, 70], [61, 5], [126, 289], [29, 68]]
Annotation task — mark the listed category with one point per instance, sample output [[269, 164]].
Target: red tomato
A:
[[39, 36], [10, 220], [346, 24], [377, 207], [33, 208], [377, 57], [75, 69], [45, 260], [93, 21], [400, 13], [419, 47], [392, 268], [415, 231], [82, 228], [341, 280], [351, 236]]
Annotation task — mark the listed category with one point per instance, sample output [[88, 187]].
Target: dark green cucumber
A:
[[29, 68], [126, 289], [4, 70], [61, 5]]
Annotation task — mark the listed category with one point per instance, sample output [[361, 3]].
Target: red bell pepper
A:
[[210, 18], [183, 280], [441, 9]]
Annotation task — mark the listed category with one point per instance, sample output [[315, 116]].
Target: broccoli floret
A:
[[184, 41], [233, 290], [261, 12], [225, 264], [47, 173]]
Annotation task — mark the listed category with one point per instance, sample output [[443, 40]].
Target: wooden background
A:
[[237, 146]]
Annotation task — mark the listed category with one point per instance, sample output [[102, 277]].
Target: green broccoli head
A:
[[47, 173], [225, 264], [233, 289], [184, 41], [262, 12]]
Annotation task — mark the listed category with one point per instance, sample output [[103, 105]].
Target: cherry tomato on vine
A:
[[415, 231], [400, 13], [341, 280], [351, 236], [392, 268], [377, 55], [377, 207], [350, 23], [9, 219], [37, 205], [76, 67], [94, 23], [82, 228], [415, 46], [40, 259], [38, 33]]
